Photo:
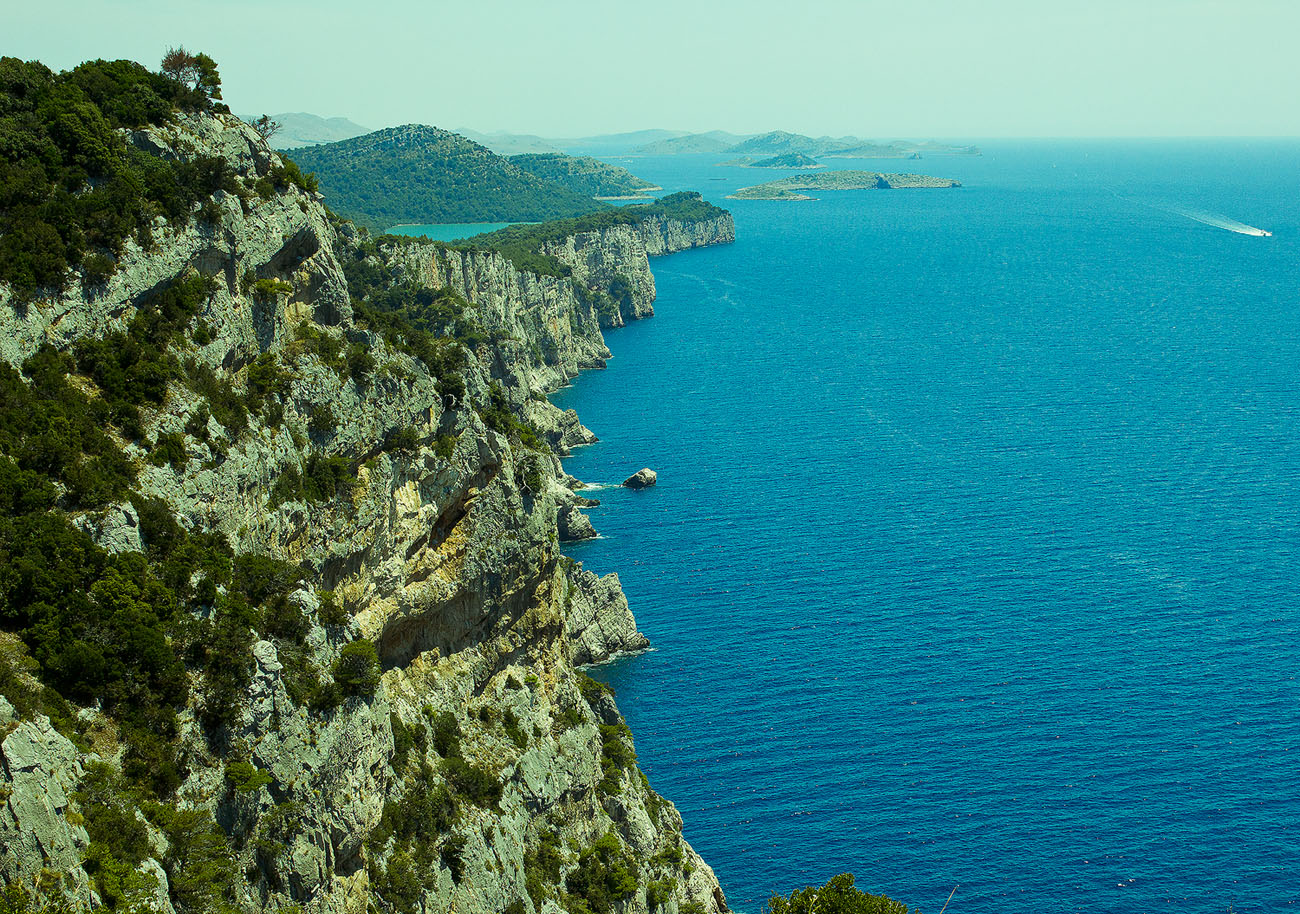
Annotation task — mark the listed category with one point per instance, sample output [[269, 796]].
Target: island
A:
[[788, 188], [785, 160]]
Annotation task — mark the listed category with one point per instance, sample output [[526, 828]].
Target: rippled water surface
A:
[[975, 550]]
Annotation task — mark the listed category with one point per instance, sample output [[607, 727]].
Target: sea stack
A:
[[641, 479]]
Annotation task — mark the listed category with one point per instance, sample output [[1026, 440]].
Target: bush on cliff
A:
[[357, 670], [606, 876]]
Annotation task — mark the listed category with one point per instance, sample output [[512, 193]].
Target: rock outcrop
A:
[[600, 624], [574, 525], [641, 479], [440, 551]]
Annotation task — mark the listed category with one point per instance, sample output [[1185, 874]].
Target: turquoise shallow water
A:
[[975, 551], [449, 231]]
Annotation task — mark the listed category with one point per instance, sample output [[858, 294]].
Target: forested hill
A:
[[583, 174], [420, 174]]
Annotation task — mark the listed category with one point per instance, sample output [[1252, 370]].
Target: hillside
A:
[[781, 142], [788, 160], [285, 624], [694, 143], [424, 175], [584, 175]]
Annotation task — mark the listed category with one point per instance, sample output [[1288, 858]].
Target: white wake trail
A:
[[1220, 221]]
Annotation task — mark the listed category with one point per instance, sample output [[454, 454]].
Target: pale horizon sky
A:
[[908, 68]]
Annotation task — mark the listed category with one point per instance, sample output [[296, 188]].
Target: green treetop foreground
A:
[[839, 896]]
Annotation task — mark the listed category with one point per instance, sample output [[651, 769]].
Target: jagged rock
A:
[[574, 525], [117, 529], [41, 769], [642, 479], [599, 623]]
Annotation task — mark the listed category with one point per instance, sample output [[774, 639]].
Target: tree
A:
[[265, 127], [839, 896], [357, 669], [197, 72]]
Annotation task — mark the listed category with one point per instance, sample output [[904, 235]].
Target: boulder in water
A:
[[641, 479]]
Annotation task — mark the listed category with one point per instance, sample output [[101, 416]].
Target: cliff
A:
[[380, 706]]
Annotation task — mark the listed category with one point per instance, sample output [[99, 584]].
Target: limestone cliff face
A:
[[444, 554]]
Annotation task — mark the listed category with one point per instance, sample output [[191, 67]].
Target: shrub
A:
[[445, 446], [606, 875], [446, 734], [839, 896], [402, 439], [659, 891], [357, 669], [268, 290], [510, 722], [169, 448], [478, 785], [322, 421], [245, 777], [199, 864], [360, 363], [96, 269], [331, 610], [542, 867], [616, 756]]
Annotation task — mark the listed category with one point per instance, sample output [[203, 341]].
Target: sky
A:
[[565, 68]]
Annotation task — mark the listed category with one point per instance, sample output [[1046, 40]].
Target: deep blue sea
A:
[[975, 554]]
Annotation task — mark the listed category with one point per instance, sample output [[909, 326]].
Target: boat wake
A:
[[1223, 222]]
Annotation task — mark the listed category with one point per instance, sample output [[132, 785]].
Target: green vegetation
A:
[[616, 756], [122, 629], [542, 864], [605, 876], [357, 670], [428, 324], [498, 416], [583, 174], [245, 777], [199, 865], [321, 479], [418, 174], [510, 723], [72, 189], [839, 896], [417, 831]]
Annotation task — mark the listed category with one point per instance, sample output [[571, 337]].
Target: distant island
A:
[[783, 142], [692, 144], [788, 188], [786, 160], [297, 129]]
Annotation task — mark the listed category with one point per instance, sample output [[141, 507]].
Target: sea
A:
[[973, 567]]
